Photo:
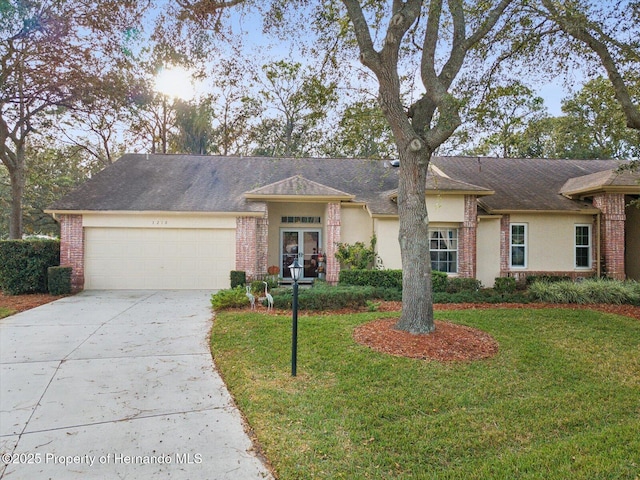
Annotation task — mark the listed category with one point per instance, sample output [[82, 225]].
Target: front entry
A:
[[301, 243]]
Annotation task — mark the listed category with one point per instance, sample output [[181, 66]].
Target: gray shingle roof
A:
[[523, 184], [600, 181], [180, 183], [183, 183], [297, 186]]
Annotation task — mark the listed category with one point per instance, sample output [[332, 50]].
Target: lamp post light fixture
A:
[[296, 273]]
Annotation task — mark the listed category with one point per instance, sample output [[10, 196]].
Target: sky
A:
[[257, 45]]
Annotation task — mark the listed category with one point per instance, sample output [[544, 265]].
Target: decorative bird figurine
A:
[[269, 297], [252, 299]]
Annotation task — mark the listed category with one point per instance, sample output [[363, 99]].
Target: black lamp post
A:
[[296, 274]]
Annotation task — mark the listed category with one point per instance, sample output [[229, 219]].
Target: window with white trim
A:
[[443, 248], [583, 246], [518, 245]]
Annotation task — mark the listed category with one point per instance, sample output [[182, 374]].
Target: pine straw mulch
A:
[[20, 303], [451, 342]]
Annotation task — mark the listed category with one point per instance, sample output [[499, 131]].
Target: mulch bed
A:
[[451, 342], [20, 303]]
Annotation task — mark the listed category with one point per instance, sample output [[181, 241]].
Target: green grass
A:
[[5, 312], [560, 400]]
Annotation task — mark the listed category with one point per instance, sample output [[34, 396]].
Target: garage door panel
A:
[[138, 258]]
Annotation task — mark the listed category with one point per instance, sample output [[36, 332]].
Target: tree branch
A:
[[580, 32], [368, 54]]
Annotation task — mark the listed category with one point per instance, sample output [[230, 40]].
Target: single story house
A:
[[186, 221]]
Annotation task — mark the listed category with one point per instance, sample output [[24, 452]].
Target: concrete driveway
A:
[[118, 384]]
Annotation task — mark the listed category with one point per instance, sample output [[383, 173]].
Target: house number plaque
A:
[[159, 222]]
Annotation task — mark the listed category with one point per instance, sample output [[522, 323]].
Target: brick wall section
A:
[[333, 238], [262, 241], [467, 247], [246, 246], [505, 223], [612, 233], [72, 248]]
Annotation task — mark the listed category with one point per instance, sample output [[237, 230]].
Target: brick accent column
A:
[[467, 247], [262, 243], [612, 226], [505, 223], [246, 246], [72, 248], [333, 238]]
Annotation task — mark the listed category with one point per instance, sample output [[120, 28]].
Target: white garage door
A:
[[165, 258]]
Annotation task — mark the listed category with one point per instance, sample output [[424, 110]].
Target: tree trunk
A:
[[18, 179], [417, 304]]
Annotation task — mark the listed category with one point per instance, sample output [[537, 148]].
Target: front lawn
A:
[[560, 400], [5, 312]]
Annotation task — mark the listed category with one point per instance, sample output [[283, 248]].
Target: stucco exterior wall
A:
[[632, 245], [551, 240], [386, 230], [357, 225], [488, 252], [445, 208]]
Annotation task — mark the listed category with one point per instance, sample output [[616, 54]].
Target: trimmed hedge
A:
[[326, 297], [238, 278], [439, 281], [531, 279], [458, 285], [24, 264], [372, 278], [59, 279], [393, 279], [505, 285]]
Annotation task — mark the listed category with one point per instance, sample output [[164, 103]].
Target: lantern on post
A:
[[296, 274]]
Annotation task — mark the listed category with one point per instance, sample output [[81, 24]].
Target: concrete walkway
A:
[[118, 384]]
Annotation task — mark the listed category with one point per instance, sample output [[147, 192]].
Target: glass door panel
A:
[[301, 243], [310, 254], [290, 247]]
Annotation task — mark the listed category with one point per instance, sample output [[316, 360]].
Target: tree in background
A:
[[52, 54], [194, 127], [593, 126], [300, 99], [362, 132], [52, 173], [501, 117], [235, 109]]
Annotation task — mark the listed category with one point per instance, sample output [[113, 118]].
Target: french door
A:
[[303, 243]]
